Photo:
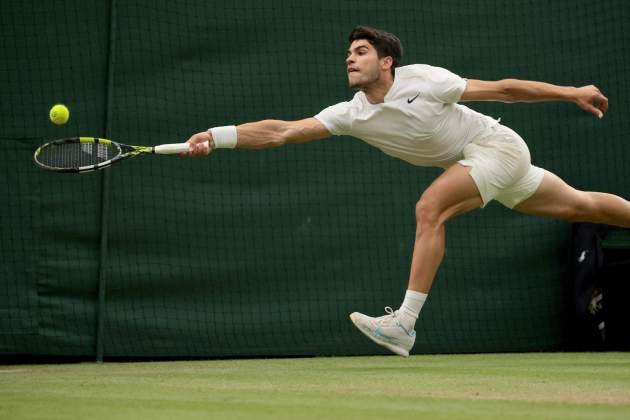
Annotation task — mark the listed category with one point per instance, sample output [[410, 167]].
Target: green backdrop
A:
[[265, 253]]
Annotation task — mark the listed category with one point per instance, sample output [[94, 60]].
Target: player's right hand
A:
[[201, 144]]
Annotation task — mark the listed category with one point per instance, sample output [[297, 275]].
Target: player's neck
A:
[[375, 92]]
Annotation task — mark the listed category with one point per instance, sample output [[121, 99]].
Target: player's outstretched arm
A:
[[589, 98], [258, 135]]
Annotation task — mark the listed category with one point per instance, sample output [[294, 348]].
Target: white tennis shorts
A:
[[501, 166]]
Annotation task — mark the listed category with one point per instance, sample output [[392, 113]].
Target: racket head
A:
[[78, 154]]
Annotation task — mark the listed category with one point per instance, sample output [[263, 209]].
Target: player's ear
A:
[[387, 63]]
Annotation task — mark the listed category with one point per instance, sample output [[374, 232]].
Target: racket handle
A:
[[171, 149]]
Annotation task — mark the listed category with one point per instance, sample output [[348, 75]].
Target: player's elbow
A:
[[280, 133], [508, 90], [268, 134], [284, 134], [290, 133], [274, 135]]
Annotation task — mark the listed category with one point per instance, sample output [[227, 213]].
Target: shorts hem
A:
[[485, 199]]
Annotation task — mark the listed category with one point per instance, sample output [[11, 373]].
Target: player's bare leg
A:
[[556, 199], [451, 194]]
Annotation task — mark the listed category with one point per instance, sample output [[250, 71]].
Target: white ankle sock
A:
[[411, 307]]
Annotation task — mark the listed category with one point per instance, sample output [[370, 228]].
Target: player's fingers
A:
[[603, 103], [204, 148], [200, 149], [198, 145], [600, 102], [201, 144], [594, 110], [199, 138]]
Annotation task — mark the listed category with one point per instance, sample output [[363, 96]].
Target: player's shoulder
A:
[[356, 101], [345, 107], [416, 70]]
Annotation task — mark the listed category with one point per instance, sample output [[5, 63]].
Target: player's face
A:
[[362, 64]]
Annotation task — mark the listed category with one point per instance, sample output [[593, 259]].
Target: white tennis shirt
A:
[[419, 121]]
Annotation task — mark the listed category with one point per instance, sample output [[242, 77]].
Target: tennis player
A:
[[414, 113]]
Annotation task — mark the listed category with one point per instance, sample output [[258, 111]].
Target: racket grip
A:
[[171, 149]]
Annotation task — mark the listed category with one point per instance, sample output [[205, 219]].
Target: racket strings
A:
[[76, 155]]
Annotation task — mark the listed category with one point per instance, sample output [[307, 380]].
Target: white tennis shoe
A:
[[386, 331]]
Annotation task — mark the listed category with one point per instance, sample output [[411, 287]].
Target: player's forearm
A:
[[261, 134], [530, 91], [273, 133]]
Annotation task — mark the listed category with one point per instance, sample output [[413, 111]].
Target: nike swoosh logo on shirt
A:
[[413, 99]]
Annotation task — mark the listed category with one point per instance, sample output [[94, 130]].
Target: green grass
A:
[[494, 386]]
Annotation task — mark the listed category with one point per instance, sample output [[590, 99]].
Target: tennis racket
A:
[[84, 154]]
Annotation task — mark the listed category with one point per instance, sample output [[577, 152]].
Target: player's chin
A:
[[354, 84]]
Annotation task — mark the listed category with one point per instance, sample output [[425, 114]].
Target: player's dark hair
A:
[[385, 44]]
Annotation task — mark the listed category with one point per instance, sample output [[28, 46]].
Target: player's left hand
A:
[[590, 99]]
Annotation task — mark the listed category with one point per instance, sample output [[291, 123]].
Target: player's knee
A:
[[428, 211], [582, 209], [586, 208]]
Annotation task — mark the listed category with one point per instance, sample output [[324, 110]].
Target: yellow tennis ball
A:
[[59, 114]]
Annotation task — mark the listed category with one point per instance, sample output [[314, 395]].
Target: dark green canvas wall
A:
[[267, 252]]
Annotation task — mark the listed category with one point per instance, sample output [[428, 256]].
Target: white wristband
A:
[[224, 137]]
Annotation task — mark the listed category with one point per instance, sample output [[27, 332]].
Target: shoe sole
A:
[[354, 317]]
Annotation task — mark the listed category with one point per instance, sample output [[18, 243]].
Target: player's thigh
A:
[[453, 192], [554, 198]]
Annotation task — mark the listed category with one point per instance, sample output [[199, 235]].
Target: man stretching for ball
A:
[[412, 113]]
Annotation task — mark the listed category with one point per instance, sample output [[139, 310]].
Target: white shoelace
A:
[[389, 319]]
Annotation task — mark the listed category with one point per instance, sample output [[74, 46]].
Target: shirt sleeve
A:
[[336, 118], [445, 86]]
